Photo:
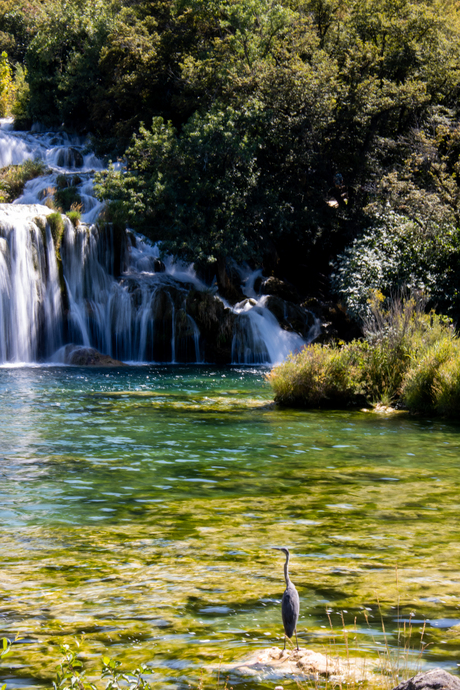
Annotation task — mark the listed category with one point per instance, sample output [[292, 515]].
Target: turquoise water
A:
[[138, 507]]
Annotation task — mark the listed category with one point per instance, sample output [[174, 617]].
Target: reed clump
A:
[[407, 357]]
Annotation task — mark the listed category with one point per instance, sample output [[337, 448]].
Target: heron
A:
[[290, 604]]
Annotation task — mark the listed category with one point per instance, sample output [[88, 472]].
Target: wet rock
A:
[[293, 317], [215, 323], [335, 322], [275, 664], [158, 266], [280, 288], [229, 280], [435, 679], [70, 158], [88, 357]]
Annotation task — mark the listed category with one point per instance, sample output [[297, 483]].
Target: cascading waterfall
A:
[[30, 292], [98, 290]]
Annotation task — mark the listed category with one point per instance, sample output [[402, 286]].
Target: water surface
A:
[[138, 507]]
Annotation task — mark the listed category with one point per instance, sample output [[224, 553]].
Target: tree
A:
[[6, 86]]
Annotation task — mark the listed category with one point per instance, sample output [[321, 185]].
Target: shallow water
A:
[[138, 507]]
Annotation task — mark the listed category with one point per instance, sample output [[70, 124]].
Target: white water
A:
[[132, 311]]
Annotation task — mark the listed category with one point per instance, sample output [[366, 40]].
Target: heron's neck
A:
[[286, 572]]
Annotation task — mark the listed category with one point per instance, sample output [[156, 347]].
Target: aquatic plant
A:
[[70, 675]]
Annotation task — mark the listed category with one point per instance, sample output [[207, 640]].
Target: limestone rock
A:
[[435, 679], [274, 664]]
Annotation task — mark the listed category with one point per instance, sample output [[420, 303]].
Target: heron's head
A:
[[281, 548]]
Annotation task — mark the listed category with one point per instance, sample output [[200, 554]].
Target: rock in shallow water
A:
[[274, 664], [435, 679], [88, 357]]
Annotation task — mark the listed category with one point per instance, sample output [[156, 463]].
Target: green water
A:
[[138, 507]]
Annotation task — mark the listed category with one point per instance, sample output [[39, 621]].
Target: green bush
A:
[[14, 177], [20, 109], [446, 387], [74, 217], [407, 356], [397, 254], [397, 336], [66, 197], [319, 376], [418, 388]]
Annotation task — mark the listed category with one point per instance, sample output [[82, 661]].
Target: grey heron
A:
[[290, 604]]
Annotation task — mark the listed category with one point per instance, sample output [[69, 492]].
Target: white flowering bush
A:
[[398, 254]]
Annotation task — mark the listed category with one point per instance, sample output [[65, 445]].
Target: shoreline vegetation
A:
[[407, 359]]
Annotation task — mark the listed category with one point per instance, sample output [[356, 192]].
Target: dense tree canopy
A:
[[272, 132]]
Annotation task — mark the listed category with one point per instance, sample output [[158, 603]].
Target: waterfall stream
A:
[[106, 291]]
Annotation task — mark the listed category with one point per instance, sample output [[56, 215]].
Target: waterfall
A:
[[106, 290], [30, 295]]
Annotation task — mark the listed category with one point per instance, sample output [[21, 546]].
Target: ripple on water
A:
[[148, 523]]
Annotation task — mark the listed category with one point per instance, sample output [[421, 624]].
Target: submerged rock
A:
[[435, 679], [86, 357]]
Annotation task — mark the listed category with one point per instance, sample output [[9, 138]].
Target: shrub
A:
[[20, 109], [398, 361], [74, 217], [397, 254], [318, 376], [398, 332], [420, 382], [446, 387], [66, 197], [6, 86], [14, 177]]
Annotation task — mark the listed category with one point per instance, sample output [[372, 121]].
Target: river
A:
[[138, 507]]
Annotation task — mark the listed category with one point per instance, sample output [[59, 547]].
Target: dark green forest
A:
[[317, 139]]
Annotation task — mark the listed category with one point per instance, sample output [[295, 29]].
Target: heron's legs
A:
[[296, 640], [284, 643]]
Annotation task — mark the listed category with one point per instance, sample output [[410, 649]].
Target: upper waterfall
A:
[[96, 287]]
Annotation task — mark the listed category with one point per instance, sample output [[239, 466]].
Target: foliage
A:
[[6, 86], [284, 133], [69, 674], [446, 387], [14, 177], [394, 254], [318, 376], [20, 106], [66, 197], [397, 333], [407, 356], [56, 224], [74, 217], [62, 60], [198, 192], [420, 382]]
